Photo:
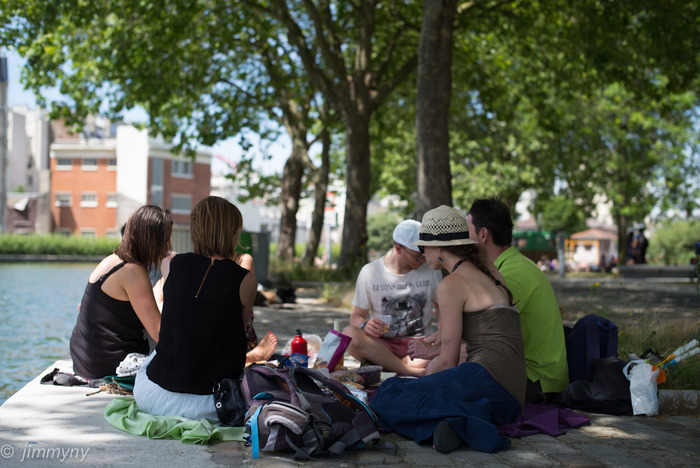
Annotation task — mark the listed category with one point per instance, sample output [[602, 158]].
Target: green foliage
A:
[[380, 229], [47, 244], [560, 213], [673, 242], [299, 250], [664, 337], [285, 272]]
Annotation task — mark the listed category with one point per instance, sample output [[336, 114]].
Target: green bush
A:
[[285, 272], [673, 242], [55, 244], [380, 228]]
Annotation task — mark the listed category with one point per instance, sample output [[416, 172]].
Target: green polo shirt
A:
[[540, 320]]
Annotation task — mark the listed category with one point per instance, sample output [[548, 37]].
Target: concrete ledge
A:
[[49, 425], [679, 402], [646, 271], [50, 258]]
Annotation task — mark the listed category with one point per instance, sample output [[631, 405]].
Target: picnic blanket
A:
[[123, 414], [543, 418]]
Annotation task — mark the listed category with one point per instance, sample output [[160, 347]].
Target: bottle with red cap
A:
[[299, 344]]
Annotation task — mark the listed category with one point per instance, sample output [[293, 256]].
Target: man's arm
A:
[[358, 316], [371, 325]]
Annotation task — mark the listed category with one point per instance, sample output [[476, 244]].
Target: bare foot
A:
[[264, 350]]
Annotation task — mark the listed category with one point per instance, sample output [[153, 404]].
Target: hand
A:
[[433, 339], [374, 327], [422, 349]]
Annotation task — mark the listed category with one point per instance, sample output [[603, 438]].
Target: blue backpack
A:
[[591, 338]]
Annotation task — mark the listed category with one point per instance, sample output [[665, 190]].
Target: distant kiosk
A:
[[535, 244]]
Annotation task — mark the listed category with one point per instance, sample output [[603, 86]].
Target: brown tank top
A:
[[494, 340]]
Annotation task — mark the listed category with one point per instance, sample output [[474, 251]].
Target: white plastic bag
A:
[[643, 391]]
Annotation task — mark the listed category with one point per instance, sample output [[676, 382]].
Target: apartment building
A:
[[100, 177]]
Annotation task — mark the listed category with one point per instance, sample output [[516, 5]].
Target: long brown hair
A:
[[472, 254], [215, 224], [146, 238]]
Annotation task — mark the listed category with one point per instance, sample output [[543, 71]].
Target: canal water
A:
[[38, 309]]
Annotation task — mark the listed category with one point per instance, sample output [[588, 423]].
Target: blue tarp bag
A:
[[592, 337]]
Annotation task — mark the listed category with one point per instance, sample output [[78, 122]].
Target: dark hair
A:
[[472, 254], [146, 238], [215, 225], [494, 215]]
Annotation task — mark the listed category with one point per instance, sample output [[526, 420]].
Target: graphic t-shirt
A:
[[408, 298]]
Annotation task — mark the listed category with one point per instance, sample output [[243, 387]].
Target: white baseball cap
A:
[[406, 234]]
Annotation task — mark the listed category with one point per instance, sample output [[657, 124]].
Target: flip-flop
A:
[[48, 378], [445, 439], [66, 379]]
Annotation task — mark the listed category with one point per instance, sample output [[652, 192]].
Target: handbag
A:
[[230, 404]]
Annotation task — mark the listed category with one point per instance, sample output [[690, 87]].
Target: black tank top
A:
[[106, 331], [202, 338]]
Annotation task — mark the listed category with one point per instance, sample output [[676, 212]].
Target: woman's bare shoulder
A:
[[245, 260], [104, 266]]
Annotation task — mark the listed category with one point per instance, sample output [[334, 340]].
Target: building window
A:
[[88, 232], [182, 168], [89, 164], [112, 164], [63, 199], [157, 197], [113, 234], [181, 203], [157, 182], [112, 200], [62, 231], [64, 164], [88, 200]]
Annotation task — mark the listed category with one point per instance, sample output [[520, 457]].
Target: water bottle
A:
[[299, 344]]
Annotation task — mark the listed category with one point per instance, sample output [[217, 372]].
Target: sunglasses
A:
[[422, 249], [418, 257]]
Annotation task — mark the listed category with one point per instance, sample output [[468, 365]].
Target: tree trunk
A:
[[433, 105], [354, 249], [289, 199], [320, 179]]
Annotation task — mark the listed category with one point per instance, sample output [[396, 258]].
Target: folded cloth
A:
[[123, 414], [543, 418]]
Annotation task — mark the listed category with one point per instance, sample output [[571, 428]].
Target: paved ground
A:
[[47, 417]]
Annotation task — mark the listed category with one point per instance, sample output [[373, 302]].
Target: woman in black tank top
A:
[[118, 302], [207, 303]]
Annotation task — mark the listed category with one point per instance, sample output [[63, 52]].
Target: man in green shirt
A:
[[491, 225]]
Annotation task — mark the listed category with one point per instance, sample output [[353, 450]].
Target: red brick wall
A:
[[76, 181]]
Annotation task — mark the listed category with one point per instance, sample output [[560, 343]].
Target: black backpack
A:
[[592, 337], [300, 410]]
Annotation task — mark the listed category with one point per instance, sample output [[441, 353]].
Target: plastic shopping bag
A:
[[643, 390]]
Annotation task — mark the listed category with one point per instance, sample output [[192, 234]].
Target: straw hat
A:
[[444, 226]]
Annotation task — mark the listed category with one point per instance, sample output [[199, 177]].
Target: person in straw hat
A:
[[456, 404]]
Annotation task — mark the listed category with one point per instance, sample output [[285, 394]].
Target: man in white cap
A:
[[395, 296]]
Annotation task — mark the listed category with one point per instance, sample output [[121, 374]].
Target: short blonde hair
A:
[[215, 226]]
